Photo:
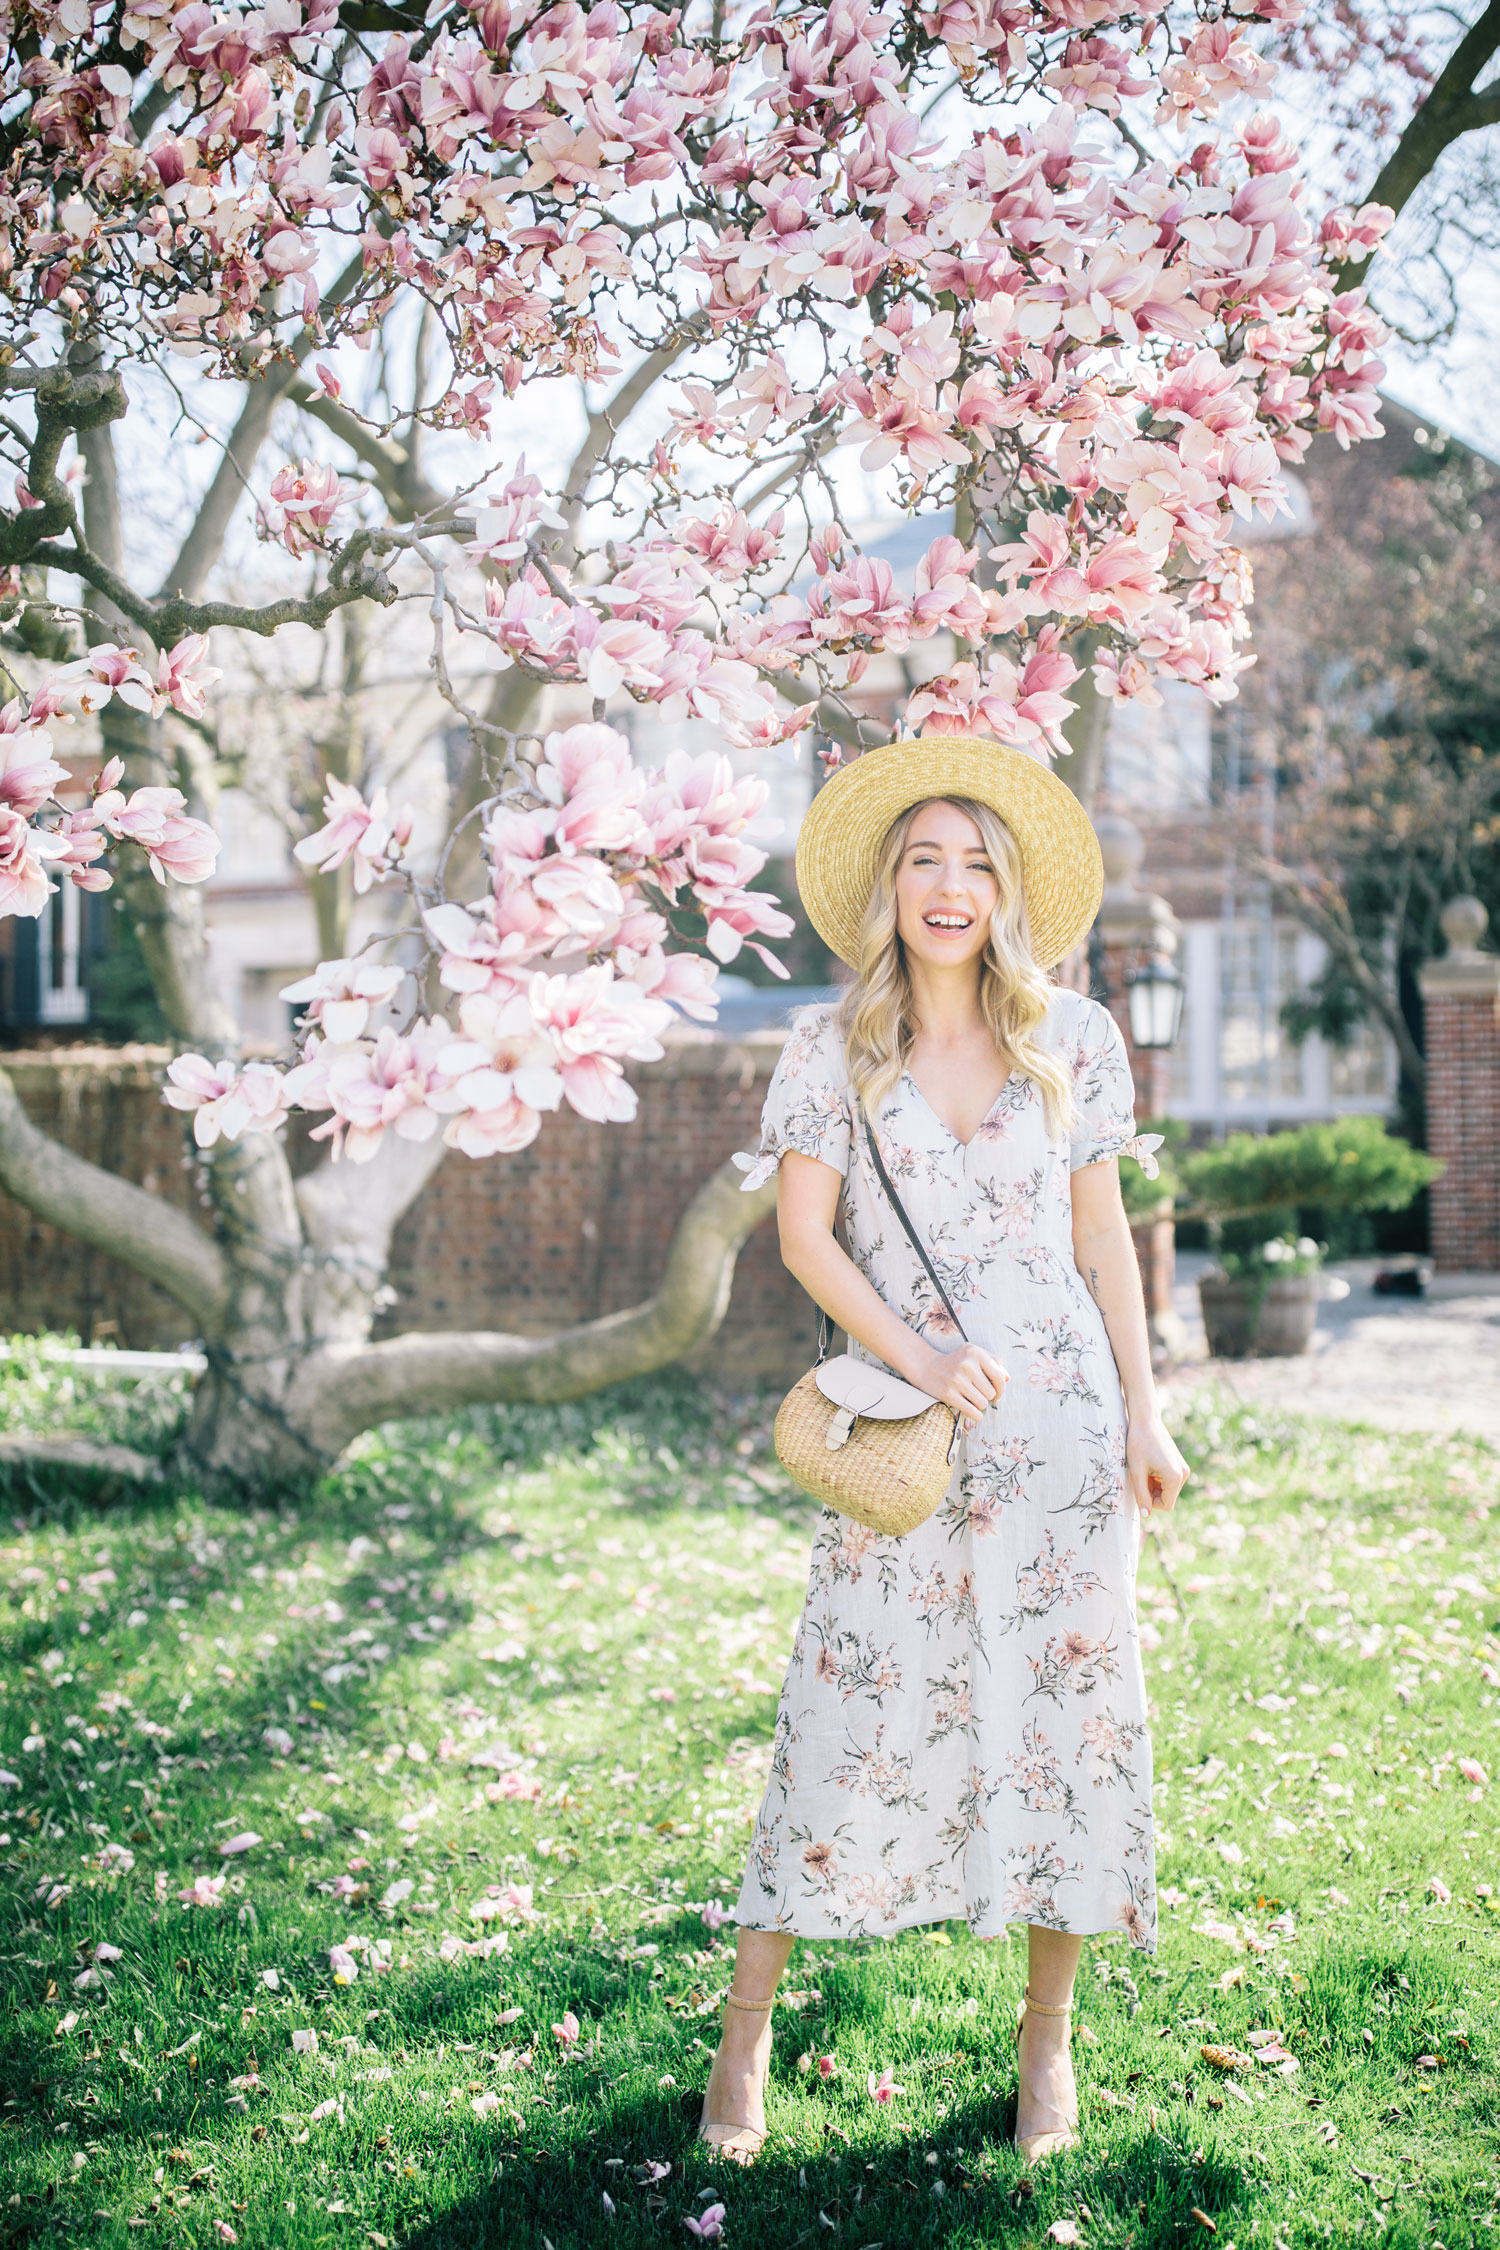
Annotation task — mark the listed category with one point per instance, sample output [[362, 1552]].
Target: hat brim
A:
[[839, 845]]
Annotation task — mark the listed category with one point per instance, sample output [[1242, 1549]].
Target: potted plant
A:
[[1260, 1297]]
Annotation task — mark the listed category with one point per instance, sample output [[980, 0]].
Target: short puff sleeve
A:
[[807, 1104], [1104, 1095]]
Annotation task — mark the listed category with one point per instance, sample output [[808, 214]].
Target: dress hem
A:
[[931, 1921]]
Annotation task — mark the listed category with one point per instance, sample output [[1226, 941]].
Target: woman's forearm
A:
[[834, 1281], [1106, 1259]]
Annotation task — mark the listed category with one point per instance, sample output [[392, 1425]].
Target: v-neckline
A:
[[947, 1128]]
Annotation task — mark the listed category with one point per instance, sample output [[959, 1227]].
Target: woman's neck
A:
[[946, 1002]]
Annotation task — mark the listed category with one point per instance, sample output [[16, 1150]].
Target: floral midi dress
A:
[[962, 1729]]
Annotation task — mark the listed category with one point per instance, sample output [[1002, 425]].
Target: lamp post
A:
[[1134, 940], [1154, 995]]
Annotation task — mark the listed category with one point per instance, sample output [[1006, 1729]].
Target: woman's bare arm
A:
[[1104, 1253], [967, 1378]]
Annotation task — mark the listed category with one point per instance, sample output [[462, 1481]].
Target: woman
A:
[[962, 1729]]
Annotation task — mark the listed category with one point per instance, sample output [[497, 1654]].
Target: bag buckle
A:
[[957, 1434], [839, 1429]]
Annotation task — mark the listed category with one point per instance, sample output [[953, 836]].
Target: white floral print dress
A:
[[962, 1728]]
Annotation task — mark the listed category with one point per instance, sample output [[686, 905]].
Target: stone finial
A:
[[1464, 920], [1136, 920], [1123, 848]]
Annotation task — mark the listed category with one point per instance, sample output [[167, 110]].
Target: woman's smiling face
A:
[[946, 888]]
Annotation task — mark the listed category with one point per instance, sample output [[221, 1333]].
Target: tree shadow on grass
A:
[[180, 1964], [960, 2182]]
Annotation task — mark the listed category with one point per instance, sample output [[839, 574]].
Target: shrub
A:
[[1349, 1164]]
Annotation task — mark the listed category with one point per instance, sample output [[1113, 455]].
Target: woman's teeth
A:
[[947, 921]]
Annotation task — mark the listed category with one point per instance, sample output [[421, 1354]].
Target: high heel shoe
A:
[[1048, 2140], [741, 2144]]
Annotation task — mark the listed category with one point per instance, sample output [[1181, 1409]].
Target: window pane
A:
[[1257, 970]]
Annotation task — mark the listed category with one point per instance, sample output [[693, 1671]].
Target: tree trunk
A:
[[285, 1315], [1085, 731], [284, 1281]]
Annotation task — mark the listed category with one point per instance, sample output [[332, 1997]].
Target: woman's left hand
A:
[[1155, 1471]]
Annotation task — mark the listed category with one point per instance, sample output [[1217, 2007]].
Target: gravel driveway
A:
[[1403, 1363]]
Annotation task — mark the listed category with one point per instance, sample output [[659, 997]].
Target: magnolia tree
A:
[[1049, 271]]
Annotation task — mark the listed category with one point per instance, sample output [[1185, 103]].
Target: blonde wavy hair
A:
[[877, 1016]]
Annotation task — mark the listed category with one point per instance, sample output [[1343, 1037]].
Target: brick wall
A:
[[576, 1225], [104, 1103], [579, 1223]]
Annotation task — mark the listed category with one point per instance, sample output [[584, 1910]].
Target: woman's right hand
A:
[[968, 1379]]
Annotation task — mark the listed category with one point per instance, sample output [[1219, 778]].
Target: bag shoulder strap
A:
[[912, 1235], [825, 1326]]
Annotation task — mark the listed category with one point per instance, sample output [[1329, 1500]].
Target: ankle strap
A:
[[1038, 2008], [752, 2007]]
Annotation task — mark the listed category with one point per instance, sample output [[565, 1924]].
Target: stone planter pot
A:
[[1281, 1326]]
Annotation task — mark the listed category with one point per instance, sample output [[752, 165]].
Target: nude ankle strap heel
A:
[[1048, 2140], [740, 2143]]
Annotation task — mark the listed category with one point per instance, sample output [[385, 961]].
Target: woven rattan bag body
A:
[[859, 1439], [863, 1442]]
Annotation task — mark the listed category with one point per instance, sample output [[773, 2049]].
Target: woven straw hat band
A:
[[838, 851]]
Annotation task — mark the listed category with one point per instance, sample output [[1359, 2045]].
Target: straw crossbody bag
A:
[[862, 1441]]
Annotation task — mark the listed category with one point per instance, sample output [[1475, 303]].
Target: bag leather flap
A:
[[862, 1389]]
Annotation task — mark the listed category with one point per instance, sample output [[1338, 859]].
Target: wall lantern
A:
[[1155, 994]]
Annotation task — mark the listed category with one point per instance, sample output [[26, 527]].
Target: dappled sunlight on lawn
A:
[[369, 1860]]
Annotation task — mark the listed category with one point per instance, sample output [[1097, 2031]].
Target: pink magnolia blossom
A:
[[1134, 350], [395, 1083], [174, 842], [525, 1786], [369, 834], [29, 774], [183, 678], [566, 2033], [503, 526], [487, 950], [884, 2088], [341, 994], [507, 1902], [499, 1077], [708, 2226], [83, 845], [84, 687], [24, 855], [946, 599], [225, 1100], [685, 979], [204, 1890], [595, 1023], [302, 505]]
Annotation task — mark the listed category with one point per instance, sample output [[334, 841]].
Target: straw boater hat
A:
[[837, 851]]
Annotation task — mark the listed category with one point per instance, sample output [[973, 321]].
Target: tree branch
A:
[[1451, 109], [354, 577], [200, 549], [110, 1213], [341, 1392], [606, 420], [349, 1213], [389, 463]]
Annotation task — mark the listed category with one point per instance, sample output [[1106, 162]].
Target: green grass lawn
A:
[[494, 1702]]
